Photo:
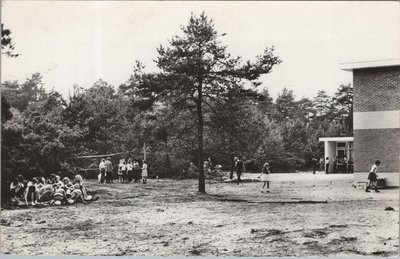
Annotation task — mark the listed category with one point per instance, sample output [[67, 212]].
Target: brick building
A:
[[376, 118]]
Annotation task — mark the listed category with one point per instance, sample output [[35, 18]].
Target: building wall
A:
[[377, 122], [376, 89], [377, 144]]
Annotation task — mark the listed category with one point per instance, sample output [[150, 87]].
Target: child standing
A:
[[102, 171], [129, 168], [264, 177], [144, 172], [16, 189], [121, 170], [136, 171], [373, 177], [31, 192]]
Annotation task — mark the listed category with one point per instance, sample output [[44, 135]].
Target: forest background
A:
[[44, 132]]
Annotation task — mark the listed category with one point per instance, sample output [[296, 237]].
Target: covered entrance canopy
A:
[[340, 153]]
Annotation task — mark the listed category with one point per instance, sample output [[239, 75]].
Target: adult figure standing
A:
[[109, 168], [136, 171], [345, 165], [239, 170], [315, 164], [350, 166], [129, 171], [327, 165], [210, 165], [233, 163], [335, 165], [102, 169], [206, 167]]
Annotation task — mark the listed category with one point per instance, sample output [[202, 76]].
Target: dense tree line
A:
[[202, 103], [42, 132]]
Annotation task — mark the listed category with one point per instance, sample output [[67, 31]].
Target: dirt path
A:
[[167, 217]]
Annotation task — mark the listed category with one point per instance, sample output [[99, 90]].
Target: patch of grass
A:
[[341, 240], [316, 233]]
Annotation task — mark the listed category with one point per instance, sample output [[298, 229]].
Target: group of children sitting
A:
[[53, 191]]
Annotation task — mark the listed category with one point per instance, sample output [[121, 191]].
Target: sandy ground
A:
[[167, 217]]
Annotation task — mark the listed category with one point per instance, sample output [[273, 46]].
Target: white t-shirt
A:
[[102, 165], [374, 169], [129, 167], [122, 167]]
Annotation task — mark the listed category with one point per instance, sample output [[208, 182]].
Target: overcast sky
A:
[[78, 42]]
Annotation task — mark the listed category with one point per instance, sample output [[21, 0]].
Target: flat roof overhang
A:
[[370, 64], [339, 139]]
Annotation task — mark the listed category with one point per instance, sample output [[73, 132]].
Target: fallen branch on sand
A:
[[136, 196], [282, 202]]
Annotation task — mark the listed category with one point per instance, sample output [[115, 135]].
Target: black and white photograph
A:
[[200, 128]]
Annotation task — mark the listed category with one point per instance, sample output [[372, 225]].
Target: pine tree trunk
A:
[[202, 185]]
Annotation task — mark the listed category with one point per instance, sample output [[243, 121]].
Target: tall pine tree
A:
[[196, 70]]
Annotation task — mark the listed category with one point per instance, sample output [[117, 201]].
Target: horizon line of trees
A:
[[43, 133]]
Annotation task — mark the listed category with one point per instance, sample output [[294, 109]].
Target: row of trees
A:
[[201, 103]]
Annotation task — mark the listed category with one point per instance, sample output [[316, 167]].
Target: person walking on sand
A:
[[373, 177], [239, 170], [109, 169], [264, 177], [144, 172]]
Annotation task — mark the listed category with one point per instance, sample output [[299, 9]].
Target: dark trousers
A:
[[315, 169], [129, 176], [327, 168], [238, 180], [103, 176], [345, 168], [136, 175], [372, 184], [109, 177]]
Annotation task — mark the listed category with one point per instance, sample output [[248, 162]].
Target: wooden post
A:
[[144, 151]]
